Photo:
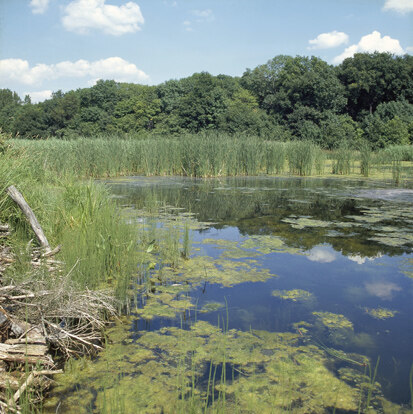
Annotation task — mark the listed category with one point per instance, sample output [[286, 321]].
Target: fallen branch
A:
[[17, 197], [28, 381], [78, 338], [52, 252]]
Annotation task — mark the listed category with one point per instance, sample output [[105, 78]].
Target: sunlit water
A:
[[347, 244]]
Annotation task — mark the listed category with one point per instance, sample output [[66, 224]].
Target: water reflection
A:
[[382, 289], [322, 254], [344, 242]]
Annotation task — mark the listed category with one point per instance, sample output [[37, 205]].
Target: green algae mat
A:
[[257, 295]]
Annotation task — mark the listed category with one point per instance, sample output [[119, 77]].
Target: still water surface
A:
[[337, 259]]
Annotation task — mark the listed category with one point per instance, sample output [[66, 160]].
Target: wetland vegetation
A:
[[254, 233], [266, 312]]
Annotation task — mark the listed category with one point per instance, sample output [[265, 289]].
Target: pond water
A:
[[286, 295]]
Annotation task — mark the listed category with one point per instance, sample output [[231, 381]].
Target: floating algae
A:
[[380, 313], [294, 295], [268, 244], [201, 269], [303, 222], [333, 320], [164, 305], [211, 307], [175, 370]]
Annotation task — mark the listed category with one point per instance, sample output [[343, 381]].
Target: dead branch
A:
[[53, 252], [73, 336], [17, 197], [28, 382]]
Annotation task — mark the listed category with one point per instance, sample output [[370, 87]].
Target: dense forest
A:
[[369, 97]]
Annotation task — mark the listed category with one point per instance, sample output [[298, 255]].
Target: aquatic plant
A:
[[294, 295], [380, 313], [342, 160], [210, 369]]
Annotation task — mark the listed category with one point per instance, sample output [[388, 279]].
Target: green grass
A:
[[207, 155], [98, 245]]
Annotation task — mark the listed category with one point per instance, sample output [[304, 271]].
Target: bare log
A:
[[17, 197], [4, 227], [24, 349], [23, 359]]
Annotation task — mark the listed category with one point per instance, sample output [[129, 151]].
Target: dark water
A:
[[354, 253]]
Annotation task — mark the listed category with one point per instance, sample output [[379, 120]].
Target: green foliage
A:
[[284, 82], [367, 97], [374, 78]]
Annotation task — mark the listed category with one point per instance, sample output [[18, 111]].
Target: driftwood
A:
[[17, 197]]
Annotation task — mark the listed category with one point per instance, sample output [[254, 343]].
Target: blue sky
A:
[[46, 45]]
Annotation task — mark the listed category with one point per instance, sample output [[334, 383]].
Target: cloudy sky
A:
[[46, 45]]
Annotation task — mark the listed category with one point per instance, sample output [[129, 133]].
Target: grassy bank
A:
[[211, 155], [97, 243]]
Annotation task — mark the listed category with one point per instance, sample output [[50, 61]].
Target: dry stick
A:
[[52, 252], [28, 212], [29, 380], [73, 336], [8, 408]]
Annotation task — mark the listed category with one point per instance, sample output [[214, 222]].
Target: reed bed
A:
[[208, 155]]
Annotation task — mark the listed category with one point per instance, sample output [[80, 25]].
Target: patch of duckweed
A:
[[211, 307], [201, 269], [303, 222], [268, 244], [380, 313], [333, 320], [174, 370], [294, 295], [338, 328], [302, 327]]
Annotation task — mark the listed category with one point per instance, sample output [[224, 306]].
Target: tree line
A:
[[367, 98]]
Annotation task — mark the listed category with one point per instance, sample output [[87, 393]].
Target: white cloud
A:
[[39, 96], [321, 254], [409, 49], [370, 43], [187, 25], [19, 71], [328, 40], [400, 6], [39, 6], [203, 15], [84, 15]]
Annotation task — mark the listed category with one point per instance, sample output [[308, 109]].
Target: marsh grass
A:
[[97, 242], [209, 154], [366, 158], [343, 157], [301, 156]]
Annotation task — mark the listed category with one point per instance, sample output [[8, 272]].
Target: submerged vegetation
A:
[[211, 369]]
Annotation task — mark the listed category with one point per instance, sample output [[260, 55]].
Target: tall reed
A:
[[342, 160], [366, 157], [301, 155]]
